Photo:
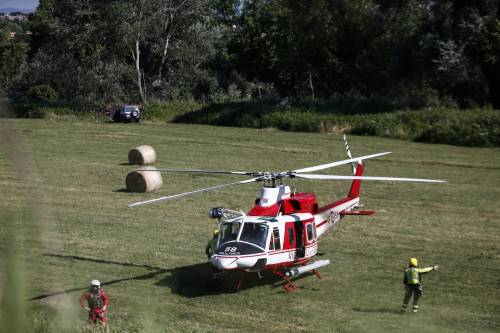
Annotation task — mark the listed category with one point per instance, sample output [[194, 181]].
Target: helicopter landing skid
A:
[[240, 281], [318, 275], [289, 285]]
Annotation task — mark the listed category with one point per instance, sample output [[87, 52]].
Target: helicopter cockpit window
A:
[[255, 233], [229, 232]]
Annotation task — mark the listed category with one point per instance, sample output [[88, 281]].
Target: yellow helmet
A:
[[414, 262], [216, 232]]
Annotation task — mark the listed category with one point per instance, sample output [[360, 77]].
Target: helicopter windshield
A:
[[229, 231], [255, 233]]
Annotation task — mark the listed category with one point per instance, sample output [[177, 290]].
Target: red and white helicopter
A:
[[280, 233]]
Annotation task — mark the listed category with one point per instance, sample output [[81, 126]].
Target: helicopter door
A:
[[299, 237]]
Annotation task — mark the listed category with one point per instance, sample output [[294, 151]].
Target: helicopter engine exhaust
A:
[[304, 269], [216, 212]]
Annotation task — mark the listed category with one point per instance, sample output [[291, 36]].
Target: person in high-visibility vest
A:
[[212, 244], [413, 283]]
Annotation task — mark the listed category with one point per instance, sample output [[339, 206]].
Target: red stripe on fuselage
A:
[[334, 204], [321, 223]]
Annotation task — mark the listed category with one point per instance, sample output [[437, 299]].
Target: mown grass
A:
[[62, 202]]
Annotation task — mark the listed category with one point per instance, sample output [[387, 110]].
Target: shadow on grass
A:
[[196, 281], [100, 261], [145, 276], [187, 281], [378, 310]]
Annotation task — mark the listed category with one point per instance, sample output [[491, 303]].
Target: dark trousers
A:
[[414, 290]]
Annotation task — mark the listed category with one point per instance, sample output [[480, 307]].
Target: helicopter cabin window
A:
[[291, 236], [229, 232], [275, 239], [254, 233], [310, 232]]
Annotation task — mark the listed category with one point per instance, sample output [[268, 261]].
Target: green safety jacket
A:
[[211, 247], [412, 274]]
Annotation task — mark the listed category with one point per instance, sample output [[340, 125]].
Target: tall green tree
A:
[[89, 56], [13, 56], [309, 48], [412, 53]]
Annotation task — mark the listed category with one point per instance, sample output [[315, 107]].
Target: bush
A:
[[370, 127], [25, 107], [239, 114], [49, 112], [43, 92], [476, 127], [293, 120], [167, 111], [465, 128]]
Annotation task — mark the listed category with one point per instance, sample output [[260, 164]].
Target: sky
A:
[[21, 4]]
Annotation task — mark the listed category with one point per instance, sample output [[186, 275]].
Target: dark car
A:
[[126, 113]]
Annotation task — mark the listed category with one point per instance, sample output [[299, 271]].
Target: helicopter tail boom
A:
[[356, 183]]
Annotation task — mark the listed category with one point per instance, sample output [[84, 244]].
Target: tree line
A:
[[94, 54]]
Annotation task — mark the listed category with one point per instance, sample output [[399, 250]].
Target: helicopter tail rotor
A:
[[348, 151]]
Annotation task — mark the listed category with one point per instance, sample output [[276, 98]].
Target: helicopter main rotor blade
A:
[[334, 164], [337, 177], [203, 171], [192, 192]]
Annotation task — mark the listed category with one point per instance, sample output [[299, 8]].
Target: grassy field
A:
[[64, 221]]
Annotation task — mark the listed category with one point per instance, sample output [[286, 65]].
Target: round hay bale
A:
[[142, 155], [143, 181]]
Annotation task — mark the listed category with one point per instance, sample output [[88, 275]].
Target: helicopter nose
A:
[[224, 262], [232, 262]]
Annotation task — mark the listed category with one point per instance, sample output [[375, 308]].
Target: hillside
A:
[[8, 10]]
